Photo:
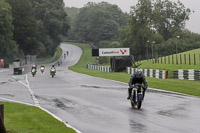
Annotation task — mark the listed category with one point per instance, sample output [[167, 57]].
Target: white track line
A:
[[36, 104], [14, 101]]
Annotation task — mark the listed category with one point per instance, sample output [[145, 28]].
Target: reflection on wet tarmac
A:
[[104, 87], [177, 111], [137, 127], [10, 95]]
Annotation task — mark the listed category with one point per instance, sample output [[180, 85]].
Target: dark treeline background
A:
[[31, 27], [157, 26], [96, 23], [151, 28]]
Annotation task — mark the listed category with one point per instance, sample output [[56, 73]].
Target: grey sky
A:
[[193, 24]]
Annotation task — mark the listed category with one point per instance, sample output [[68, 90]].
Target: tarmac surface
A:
[[95, 105]]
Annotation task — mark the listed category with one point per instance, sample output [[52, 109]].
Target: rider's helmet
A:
[[33, 65], [138, 73], [52, 65]]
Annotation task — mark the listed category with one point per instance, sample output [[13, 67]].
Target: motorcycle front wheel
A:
[[139, 102], [132, 100]]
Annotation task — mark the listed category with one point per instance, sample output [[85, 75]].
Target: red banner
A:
[[2, 62]]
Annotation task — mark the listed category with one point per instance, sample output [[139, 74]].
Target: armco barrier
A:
[[99, 68], [189, 74], [159, 74]]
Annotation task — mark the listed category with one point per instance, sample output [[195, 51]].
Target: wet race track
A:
[[94, 105]]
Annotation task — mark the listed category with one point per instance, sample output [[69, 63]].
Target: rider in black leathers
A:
[[139, 78]]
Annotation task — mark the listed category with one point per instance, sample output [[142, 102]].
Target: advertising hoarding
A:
[[114, 52]]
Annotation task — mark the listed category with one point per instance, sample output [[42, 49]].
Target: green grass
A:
[[20, 118], [58, 55], [43, 58], [85, 58], [171, 67], [176, 85]]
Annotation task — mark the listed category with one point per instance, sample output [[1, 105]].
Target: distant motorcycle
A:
[[33, 71], [52, 72], [137, 96], [42, 69]]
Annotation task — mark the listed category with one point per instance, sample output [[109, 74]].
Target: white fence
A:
[[99, 68], [160, 74]]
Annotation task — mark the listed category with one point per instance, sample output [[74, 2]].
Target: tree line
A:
[[151, 28], [31, 27], [96, 22]]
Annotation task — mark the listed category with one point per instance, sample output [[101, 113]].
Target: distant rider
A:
[[137, 78], [34, 67], [52, 67], [42, 66]]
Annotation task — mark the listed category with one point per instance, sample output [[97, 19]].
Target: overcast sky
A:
[[193, 24]]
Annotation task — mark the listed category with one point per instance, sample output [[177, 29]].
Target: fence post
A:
[[189, 60], [185, 58], [180, 59], [168, 59], [194, 60], [199, 58], [172, 59], [2, 127], [176, 59], [165, 60]]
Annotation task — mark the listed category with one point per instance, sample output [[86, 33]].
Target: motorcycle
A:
[[42, 69], [33, 71], [137, 96], [52, 72]]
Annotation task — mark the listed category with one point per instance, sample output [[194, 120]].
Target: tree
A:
[[72, 12], [153, 21], [26, 28], [140, 24], [53, 21], [39, 25], [169, 17], [8, 47], [98, 22]]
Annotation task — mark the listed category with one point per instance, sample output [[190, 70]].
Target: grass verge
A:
[[58, 55], [183, 62], [169, 67], [176, 85], [20, 118]]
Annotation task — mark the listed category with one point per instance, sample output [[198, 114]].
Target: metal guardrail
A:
[[159, 74], [188, 74], [99, 68]]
